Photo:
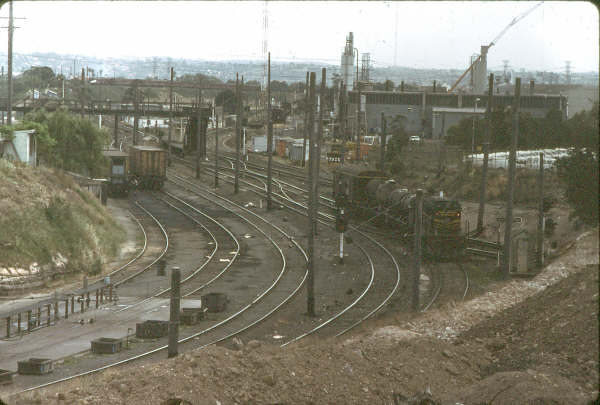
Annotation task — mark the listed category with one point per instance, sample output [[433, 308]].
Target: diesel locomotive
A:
[[372, 195]]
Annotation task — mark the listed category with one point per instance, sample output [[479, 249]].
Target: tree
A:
[[579, 173], [399, 137], [68, 142], [226, 99]]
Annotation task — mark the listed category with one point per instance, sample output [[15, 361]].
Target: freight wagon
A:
[[118, 174], [148, 166]]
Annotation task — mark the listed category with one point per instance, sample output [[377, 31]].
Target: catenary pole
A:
[[418, 216], [486, 151], [310, 282], [170, 117], [306, 123], [512, 163], [216, 150], [382, 143], [540, 227], [269, 137], [236, 185], [317, 160], [198, 135], [343, 122], [10, 62]]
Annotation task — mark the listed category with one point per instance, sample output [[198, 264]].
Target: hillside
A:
[[51, 229]]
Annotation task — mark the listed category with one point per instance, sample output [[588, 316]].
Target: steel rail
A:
[[193, 336], [139, 254], [164, 251], [229, 264], [396, 265], [348, 308]]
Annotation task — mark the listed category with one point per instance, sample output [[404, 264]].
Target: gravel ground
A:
[[527, 341]]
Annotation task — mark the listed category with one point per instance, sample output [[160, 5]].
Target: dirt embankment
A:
[[50, 228]]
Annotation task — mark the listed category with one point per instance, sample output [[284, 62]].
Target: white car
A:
[[415, 138]]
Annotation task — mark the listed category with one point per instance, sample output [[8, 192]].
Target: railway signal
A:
[[341, 223]]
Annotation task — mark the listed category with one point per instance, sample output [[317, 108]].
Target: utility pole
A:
[[306, 123], [358, 113], [10, 61], [382, 143], [170, 118], [269, 137], [82, 91], [216, 151], [198, 132], [236, 184], [511, 181], [486, 151], [418, 216], [174, 312], [343, 122], [135, 114], [540, 227], [317, 147], [116, 130], [310, 282]]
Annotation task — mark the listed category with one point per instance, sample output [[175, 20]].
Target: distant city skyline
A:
[[436, 35]]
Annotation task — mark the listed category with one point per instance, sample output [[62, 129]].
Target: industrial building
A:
[[429, 115]]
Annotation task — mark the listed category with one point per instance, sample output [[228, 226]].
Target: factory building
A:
[[430, 115]]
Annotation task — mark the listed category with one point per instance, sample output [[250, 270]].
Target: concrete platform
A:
[[49, 342]]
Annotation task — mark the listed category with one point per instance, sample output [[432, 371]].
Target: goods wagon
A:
[[148, 166], [118, 174], [375, 196]]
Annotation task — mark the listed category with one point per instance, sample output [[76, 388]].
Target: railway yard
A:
[[216, 227], [474, 339]]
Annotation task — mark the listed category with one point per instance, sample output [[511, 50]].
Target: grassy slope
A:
[[43, 213]]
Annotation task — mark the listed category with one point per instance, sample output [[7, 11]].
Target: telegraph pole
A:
[[540, 228], [486, 151], [170, 117], [310, 282], [418, 210], [306, 125], [343, 126], [511, 181], [358, 113], [269, 137], [216, 151], [236, 184], [382, 142], [198, 132], [135, 114], [317, 160], [10, 61]]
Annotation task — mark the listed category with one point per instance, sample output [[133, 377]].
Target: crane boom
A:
[[513, 22]]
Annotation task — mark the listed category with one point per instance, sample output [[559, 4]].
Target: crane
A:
[[513, 22]]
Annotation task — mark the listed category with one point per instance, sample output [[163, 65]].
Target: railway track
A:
[[358, 310], [448, 281], [238, 321]]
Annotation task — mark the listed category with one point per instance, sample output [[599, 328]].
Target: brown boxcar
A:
[[148, 166]]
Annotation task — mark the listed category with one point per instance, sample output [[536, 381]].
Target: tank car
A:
[[372, 194]]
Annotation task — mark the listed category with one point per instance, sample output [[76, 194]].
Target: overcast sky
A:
[[429, 34]]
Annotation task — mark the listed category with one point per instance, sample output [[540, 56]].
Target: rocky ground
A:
[[529, 341]]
